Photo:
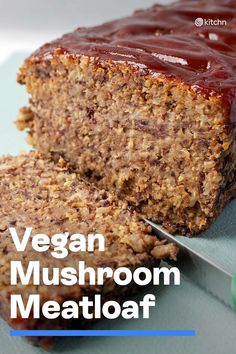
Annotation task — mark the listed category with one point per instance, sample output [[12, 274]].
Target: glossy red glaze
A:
[[164, 40]]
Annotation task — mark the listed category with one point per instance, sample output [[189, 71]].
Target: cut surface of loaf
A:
[[144, 106], [37, 193]]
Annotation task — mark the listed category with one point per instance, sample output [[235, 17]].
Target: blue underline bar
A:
[[105, 333]]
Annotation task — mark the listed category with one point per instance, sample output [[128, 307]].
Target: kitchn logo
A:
[[199, 22]]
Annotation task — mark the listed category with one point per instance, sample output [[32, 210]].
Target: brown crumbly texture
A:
[[158, 144], [37, 193], [144, 106]]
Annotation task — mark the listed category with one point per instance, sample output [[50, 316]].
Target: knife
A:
[[201, 271]]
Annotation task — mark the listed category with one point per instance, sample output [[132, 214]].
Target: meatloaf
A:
[[144, 106], [39, 194]]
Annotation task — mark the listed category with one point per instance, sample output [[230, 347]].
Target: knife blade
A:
[[200, 270]]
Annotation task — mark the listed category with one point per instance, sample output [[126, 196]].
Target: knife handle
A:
[[233, 291]]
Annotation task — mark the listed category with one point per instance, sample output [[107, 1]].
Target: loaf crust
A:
[[144, 106]]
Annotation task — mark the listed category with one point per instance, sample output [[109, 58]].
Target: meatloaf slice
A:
[[144, 106], [39, 194]]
